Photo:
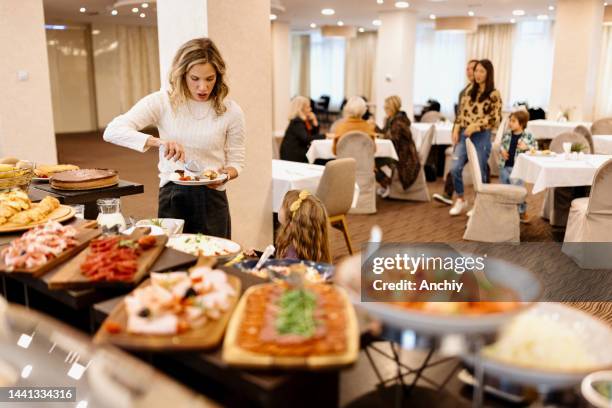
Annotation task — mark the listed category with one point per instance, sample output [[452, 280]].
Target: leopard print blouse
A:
[[486, 114]]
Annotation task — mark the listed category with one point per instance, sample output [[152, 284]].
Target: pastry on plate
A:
[[47, 170]]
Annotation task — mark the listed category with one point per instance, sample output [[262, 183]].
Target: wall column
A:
[[26, 116], [578, 31], [281, 75], [394, 73]]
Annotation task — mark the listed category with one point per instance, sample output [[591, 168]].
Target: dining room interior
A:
[[151, 148]]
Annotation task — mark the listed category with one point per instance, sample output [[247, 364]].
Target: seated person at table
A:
[[302, 130], [303, 231], [397, 128], [353, 112], [514, 142]]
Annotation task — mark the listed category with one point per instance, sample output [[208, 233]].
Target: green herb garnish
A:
[[296, 314], [157, 222]]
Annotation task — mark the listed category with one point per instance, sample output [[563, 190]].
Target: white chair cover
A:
[[602, 127], [494, 157], [337, 186], [361, 147]]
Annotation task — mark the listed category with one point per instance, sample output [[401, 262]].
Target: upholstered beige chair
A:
[[361, 147], [335, 191], [418, 190], [590, 223], [332, 128], [432, 117], [494, 157], [495, 217], [582, 130], [602, 127], [557, 201], [448, 166]]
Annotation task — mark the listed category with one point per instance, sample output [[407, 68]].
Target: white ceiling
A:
[[300, 13]]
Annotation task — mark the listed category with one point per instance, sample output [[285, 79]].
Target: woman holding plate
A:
[[195, 122]]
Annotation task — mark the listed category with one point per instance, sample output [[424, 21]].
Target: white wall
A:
[[26, 117], [281, 74]]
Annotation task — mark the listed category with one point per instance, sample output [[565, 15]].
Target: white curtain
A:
[[300, 65], [494, 42], [439, 71], [532, 63], [327, 55], [138, 63], [603, 103], [360, 62]]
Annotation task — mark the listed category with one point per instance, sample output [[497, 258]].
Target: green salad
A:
[[296, 315]]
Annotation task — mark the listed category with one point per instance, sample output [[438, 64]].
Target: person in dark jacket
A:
[[302, 130], [397, 129]]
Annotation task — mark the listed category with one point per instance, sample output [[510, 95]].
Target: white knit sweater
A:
[[217, 141]]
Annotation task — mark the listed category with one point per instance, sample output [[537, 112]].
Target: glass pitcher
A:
[[109, 213]]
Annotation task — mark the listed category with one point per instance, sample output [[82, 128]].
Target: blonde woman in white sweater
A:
[[195, 121]]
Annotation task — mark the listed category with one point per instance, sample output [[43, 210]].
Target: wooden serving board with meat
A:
[[111, 261], [44, 247]]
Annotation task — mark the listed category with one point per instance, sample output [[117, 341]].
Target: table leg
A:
[[91, 210]]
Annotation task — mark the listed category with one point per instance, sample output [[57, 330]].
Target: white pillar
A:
[[26, 116], [578, 31], [281, 75], [177, 23], [241, 30], [395, 60]]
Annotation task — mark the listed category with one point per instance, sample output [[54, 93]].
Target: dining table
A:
[[556, 170], [288, 175], [602, 144], [442, 135], [543, 129], [323, 149]]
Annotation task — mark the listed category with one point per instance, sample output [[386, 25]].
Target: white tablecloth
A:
[[602, 144], [442, 135], [322, 149], [546, 172], [549, 129], [287, 175]]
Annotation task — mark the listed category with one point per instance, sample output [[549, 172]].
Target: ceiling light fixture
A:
[[340, 23], [432, 16], [135, 10], [513, 20], [142, 15], [402, 4], [380, 1], [551, 8], [328, 12], [145, 5], [518, 12], [273, 17], [377, 23], [82, 9], [313, 25], [114, 12], [542, 17], [361, 30], [471, 13]]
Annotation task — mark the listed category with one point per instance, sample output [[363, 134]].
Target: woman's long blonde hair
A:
[[194, 52], [305, 228], [394, 103], [297, 106]]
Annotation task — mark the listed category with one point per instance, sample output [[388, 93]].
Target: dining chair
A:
[[494, 156], [332, 128], [602, 127], [590, 222], [495, 216], [432, 117], [557, 201], [584, 131], [418, 191], [335, 191], [361, 147]]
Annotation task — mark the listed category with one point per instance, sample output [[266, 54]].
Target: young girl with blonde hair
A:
[[196, 122], [303, 233]]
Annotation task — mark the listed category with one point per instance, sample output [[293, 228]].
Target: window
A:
[[327, 56]]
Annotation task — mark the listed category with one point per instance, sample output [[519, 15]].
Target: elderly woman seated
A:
[[353, 111]]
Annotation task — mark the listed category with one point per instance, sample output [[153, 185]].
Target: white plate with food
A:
[[203, 245], [551, 346], [186, 178]]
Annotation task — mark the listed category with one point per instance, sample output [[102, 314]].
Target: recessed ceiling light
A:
[[328, 12], [471, 13], [142, 15], [380, 1], [114, 12], [340, 23], [432, 16], [95, 32], [542, 17], [313, 25], [361, 30], [402, 4], [377, 23], [145, 5], [135, 10], [273, 17], [551, 8], [82, 9], [518, 12], [513, 20]]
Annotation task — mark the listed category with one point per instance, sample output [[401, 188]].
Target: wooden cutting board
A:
[[237, 356], [206, 337], [85, 233], [70, 276], [61, 213]]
